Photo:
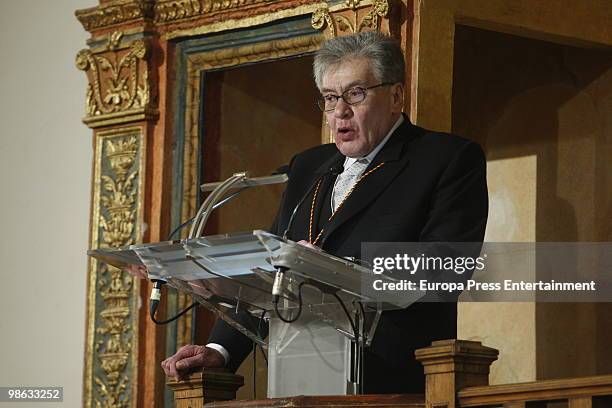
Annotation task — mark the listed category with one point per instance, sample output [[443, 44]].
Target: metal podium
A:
[[232, 275], [324, 316]]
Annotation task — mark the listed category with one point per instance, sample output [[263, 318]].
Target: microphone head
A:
[[337, 169], [282, 170]]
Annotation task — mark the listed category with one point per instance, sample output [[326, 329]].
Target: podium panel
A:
[[312, 354], [232, 275]]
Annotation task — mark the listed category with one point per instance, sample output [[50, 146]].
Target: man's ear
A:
[[397, 95]]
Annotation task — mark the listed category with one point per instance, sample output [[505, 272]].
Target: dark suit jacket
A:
[[432, 187]]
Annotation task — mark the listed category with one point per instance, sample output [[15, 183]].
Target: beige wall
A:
[[45, 156], [524, 98]]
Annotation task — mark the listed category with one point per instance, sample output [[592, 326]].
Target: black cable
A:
[[254, 371], [219, 204], [362, 358], [255, 344], [348, 316], [180, 227], [154, 304], [153, 308], [261, 319], [263, 352], [299, 312], [362, 310], [334, 170]]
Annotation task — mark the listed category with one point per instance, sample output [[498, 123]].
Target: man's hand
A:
[[190, 358], [137, 271]]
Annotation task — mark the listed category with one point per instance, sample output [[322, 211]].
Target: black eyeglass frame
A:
[[321, 100]]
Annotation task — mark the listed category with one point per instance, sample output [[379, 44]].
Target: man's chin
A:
[[350, 149]]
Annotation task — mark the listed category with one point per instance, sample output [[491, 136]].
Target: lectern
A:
[[325, 317], [321, 317]]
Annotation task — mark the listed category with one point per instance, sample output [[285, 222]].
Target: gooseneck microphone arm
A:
[[158, 283], [334, 170]]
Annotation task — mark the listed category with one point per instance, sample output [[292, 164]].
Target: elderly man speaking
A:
[[400, 183]]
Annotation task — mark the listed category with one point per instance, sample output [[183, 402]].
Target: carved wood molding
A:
[[112, 317], [118, 90], [171, 10], [114, 13], [351, 17], [256, 52], [174, 10]]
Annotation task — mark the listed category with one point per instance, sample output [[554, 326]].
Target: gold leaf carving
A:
[[160, 11], [177, 9], [254, 52], [353, 4], [344, 25], [380, 9], [114, 40], [220, 5], [118, 77], [119, 197], [118, 201], [321, 17], [113, 352], [115, 13], [173, 10], [338, 22]]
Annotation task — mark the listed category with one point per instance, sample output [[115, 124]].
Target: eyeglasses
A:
[[351, 96]]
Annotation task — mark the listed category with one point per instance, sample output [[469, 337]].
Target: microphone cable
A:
[[154, 304], [334, 170], [157, 285], [299, 311]]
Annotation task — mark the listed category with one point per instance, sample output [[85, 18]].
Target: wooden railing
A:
[[585, 392], [456, 376]]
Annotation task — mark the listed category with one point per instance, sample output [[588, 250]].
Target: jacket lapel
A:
[[372, 185], [336, 160]]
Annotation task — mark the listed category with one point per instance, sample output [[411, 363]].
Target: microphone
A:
[[284, 169], [278, 284], [155, 296], [334, 170]]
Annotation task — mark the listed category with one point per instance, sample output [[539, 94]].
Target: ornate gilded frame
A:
[[113, 296]]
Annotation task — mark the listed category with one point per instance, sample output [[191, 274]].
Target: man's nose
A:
[[343, 109]]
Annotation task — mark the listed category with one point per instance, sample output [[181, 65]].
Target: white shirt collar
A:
[[348, 161]]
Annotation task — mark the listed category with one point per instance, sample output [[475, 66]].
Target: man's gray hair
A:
[[383, 52]]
